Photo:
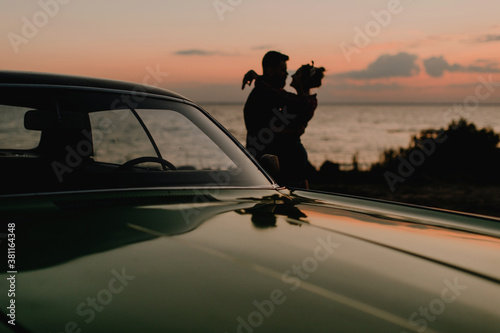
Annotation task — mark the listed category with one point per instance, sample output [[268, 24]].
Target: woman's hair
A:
[[311, 76]]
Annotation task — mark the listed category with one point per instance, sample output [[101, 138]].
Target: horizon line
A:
[[356, 103]]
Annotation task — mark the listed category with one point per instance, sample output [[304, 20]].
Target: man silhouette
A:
[[258, 111]]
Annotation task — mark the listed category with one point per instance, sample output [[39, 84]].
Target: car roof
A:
[[36, 78]]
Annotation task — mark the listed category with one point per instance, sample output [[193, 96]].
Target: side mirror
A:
[[271, 164]]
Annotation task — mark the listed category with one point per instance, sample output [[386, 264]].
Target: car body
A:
[[133, 210]]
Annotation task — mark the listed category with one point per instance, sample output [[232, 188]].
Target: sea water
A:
[[338, 132]]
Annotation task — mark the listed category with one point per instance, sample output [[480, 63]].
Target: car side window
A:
[[13, 134], [118, 137]]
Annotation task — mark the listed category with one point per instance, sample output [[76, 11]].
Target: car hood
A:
[[218, 260]]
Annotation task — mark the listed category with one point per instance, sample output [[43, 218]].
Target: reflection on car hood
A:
[[250, 260]]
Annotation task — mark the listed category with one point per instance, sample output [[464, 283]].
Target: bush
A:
[[460, 152]]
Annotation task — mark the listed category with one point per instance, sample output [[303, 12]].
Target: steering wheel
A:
[[139, 160]]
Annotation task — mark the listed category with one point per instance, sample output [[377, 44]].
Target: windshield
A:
[[54, 139]]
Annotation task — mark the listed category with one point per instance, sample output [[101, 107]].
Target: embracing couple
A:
[[275, 119]]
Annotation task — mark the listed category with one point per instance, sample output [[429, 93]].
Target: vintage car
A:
[[128, 208]]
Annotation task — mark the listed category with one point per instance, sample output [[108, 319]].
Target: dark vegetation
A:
[[455, 168]]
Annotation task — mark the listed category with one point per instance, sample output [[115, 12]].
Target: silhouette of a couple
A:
[[276, 119]]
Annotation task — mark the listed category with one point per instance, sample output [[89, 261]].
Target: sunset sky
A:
[[373, 50]]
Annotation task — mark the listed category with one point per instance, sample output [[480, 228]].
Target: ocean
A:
[[339, 131]]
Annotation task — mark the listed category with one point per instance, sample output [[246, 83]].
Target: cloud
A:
[[205, 53], [387, 65], [263, 47], [490, 68], [436, 66], [487, 38], [198, 52], [482, 61]]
